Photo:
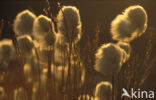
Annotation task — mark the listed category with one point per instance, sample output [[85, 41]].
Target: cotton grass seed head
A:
[[7, 51], [23, 22], [26, 45], [69, 23], [42, 25], [109, 59], [43, 30], [138, 17], [130, 24], [103, 91], [122, 29]]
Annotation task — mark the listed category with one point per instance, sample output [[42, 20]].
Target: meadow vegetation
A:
[[45, 59]]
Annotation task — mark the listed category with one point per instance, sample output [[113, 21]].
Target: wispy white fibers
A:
[[69, 23], [43, 30], [122, 29], [26, 45], [85, 97], [7, 51], [130, 24], [103, 91], [138, 17], [20, 94], [23, 22], [109, 59], [42, 25]]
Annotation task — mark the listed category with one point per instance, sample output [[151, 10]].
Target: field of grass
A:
[[74, 75]]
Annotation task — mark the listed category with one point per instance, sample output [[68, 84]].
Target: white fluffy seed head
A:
[[129, 25], [103, 91], [109, 59], [7, 51], [23, 22], [122, 29], [42, 25], [69, 23], [85, 97], [43, 30], [138, 16], [26, 45]]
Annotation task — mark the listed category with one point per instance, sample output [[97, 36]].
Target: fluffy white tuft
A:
[[122, 29], [42, 25], [129, 25], [26, 45], [109, 59], [23, 22], [103, 91], [69, 23], [43, 30], [138, 17], [7, 51]]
